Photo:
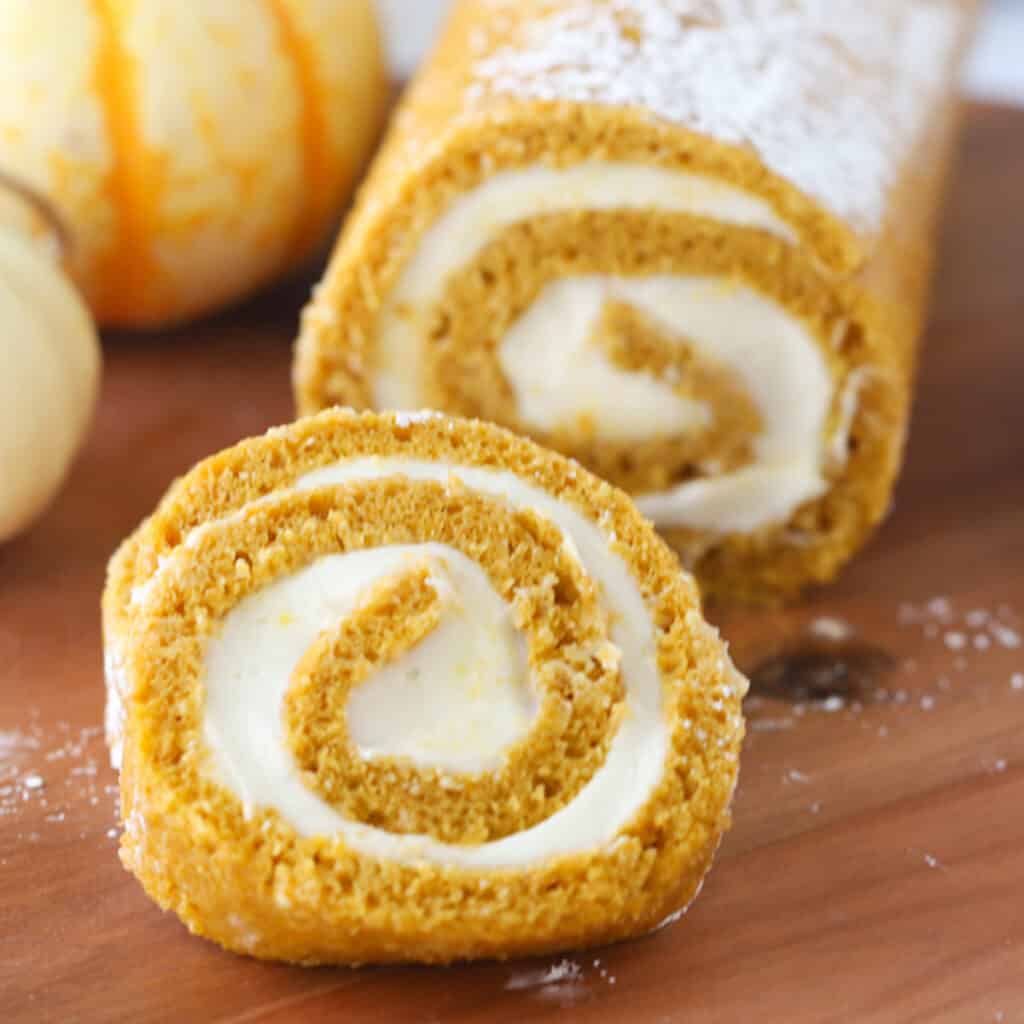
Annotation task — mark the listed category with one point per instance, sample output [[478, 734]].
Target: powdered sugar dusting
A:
[[566, 981], [829, 627], [407, 419], [50, 777], [955, 655], [832, 94], [560, 973]]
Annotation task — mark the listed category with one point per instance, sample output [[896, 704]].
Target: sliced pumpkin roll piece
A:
[[686, 243], [396, 687]]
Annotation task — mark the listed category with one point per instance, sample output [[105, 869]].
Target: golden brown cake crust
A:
[[255, 885]]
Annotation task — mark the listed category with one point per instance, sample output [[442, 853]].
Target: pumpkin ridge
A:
[[135, 181], [320, 164]]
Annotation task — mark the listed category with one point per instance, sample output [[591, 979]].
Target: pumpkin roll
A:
[[687, 243], [412, 688]]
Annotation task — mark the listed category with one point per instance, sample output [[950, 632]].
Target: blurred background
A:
[[995, 72]]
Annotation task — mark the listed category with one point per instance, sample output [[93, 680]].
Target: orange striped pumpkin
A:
[[195, 148]]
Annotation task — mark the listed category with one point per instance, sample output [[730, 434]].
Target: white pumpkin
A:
[[49, 378]]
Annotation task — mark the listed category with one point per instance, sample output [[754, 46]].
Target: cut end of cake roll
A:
[[412, 688], [687, 244]]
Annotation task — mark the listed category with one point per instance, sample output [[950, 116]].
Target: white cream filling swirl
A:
[[456, 700], [249, 663], [557, 374]]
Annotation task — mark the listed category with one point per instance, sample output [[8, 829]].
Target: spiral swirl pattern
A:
[[374, 668]]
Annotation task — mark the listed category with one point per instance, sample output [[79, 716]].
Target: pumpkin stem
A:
[[48, 221]]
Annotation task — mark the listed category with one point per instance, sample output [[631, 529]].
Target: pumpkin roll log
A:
[[687, 243], [414, 689]]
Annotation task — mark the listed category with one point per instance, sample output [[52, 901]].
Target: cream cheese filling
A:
[[243, 731], [769, 351], [456, 700], [558, 378], [475, 219]]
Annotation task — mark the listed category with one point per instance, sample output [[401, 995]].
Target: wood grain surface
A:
[[875, 872]]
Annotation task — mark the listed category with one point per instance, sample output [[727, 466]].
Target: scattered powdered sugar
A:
[[830, 628], [1005, 636], [977, 633], [52, 775], [832, 94], [965, 644], [772, 724], [406, 419], [566, 980], [565, 971], [976, 626], [12, 741]]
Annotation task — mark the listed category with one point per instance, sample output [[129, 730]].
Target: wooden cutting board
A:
[[876, 869]]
